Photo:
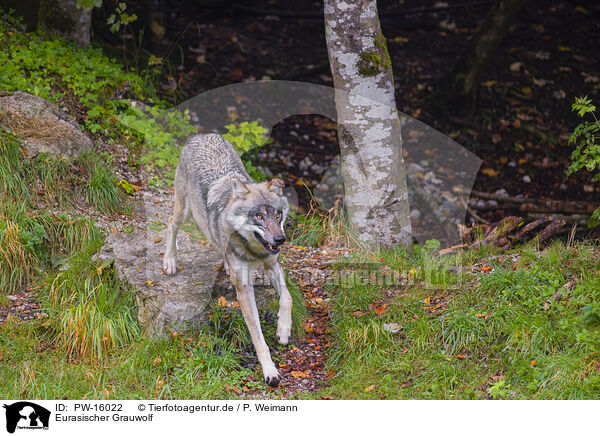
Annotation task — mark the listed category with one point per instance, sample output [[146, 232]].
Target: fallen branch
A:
[[511, 231], [526, 205]]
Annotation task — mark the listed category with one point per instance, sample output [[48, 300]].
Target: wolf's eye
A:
[[259, 216], [277, 215]]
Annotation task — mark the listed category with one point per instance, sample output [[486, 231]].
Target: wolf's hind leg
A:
[[181, 214]]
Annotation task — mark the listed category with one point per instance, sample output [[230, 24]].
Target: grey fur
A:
[[243, 218]]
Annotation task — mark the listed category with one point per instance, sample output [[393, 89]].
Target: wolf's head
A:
[[258, 213]]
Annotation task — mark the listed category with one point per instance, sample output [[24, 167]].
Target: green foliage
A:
[[50, 68], [89, 4], [586, 139], [163, 132], [246, 136], [120, 18]]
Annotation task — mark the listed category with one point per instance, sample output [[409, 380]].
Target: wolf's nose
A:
[[279, 239]]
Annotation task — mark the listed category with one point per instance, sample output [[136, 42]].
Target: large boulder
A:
[[178, 302], [42, 125]]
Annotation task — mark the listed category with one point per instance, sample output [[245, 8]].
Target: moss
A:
[[376, 60]]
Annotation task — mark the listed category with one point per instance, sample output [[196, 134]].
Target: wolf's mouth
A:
[[270, 248]]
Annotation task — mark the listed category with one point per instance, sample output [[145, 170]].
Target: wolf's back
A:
[[210, 157]]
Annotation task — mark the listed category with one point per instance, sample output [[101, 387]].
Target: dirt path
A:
[[303, 365]]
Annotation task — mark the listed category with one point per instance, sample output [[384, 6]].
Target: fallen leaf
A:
[[380, 310], [157, 361], [369, 388], [234, 388], [222, 301], [300, 374], [327, 398], [533, 362], [490, 172], [515, 66], [157, 240], [392, 327]]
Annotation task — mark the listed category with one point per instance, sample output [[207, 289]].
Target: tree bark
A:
[[460, 86], [66, 18], [375, 191]]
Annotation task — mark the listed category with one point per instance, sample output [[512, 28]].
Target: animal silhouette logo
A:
[[24, 414]]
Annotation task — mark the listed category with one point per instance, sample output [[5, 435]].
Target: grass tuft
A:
[[102, 191]]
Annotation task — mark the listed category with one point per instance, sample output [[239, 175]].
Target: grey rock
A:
[[414, 168], [181, 301], [42, 125]]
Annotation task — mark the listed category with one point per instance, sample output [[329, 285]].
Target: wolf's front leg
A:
[[284, 321], [245, 295], [170, 257]]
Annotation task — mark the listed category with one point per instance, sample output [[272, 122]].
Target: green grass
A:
[[182, 367], [102, 191], [516, 331]]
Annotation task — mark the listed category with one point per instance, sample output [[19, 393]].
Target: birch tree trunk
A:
[[375, 191]]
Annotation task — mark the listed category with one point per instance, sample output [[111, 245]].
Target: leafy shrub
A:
[[587, 152], [246, 137]]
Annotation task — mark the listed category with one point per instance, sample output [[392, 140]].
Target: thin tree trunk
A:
[[66, 18], [375, 191], [460, 86]]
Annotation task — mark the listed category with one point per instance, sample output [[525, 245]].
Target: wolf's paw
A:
[[283, 334], [272, 377], [169, 265], [273, 380]]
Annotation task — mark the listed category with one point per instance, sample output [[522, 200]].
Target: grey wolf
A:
[[243, 219]]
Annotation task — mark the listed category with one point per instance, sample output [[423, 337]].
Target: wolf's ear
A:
[[238, 187], [276, 185]]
